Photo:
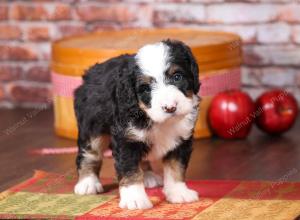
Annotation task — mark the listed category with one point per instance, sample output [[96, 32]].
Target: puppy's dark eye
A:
[[144, 88], [177, 76]]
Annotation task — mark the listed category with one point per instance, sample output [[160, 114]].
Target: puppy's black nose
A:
[[169, 109]]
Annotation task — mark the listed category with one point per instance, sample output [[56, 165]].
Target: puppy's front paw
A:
[[152, 180], [134, 197], [179, 193], [88, 185]]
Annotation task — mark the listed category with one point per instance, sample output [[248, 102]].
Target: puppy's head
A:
[[167, 83]]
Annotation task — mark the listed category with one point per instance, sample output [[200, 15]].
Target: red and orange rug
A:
[[50, 196]]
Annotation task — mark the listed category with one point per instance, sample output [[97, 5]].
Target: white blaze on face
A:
[[153, 60]]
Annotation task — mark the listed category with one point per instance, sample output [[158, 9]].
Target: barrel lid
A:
[[207, 47]]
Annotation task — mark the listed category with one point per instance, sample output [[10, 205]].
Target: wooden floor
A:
[[259, 157]]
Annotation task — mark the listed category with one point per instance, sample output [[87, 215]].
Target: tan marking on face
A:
[[92, 158], [133, 178], [173, 69], [189, 94], [175, 169], [144, 79], [142, 105]]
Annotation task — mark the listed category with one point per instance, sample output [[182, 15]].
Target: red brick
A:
[[27, 92], [274, 33], [29, 12], [70, 1], [102, 26], [295, 92], [2, 94], [70, 29], [10, 32], [284, 76], [61, 12], [296, 34], [11, 52], [38, 33], [44, 51], [275, 1], [246, 32], [38, 73], [290, 13], [10, 72], [298, 78], [202, 1], [251, 76], [283, 55], [251, 58], [41, 11], [231, 13], [3, 12], [183, 13], [255, 92], [111, 13]]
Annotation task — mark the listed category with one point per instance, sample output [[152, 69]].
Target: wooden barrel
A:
[[218, 54]]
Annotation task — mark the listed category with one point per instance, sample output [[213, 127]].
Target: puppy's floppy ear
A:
[[126, 97], [178, 46], [194, 69]]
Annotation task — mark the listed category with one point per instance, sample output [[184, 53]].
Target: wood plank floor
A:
[[259, 157]]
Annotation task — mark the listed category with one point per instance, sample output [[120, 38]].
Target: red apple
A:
[[276, 111], [230, 114]]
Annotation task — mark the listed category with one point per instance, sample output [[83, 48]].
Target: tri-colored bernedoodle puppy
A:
[[142, 106]]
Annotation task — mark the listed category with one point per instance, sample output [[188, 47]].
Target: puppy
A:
[[143, 106]]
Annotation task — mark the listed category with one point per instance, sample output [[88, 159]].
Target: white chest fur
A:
[[166, 136]]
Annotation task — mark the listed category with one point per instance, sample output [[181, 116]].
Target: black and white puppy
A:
[[143, 106]]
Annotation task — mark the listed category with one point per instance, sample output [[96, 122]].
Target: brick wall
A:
[[270, 29]]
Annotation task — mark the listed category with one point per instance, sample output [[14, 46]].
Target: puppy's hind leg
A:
[[89, 161]]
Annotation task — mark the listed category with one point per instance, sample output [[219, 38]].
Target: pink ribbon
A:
[[53, 150], [222, 81], [210, 85], [65, 85]]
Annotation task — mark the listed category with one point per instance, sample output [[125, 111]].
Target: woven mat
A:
[[50, 196]]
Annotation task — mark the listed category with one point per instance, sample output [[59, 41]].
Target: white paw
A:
[[88, 185], [134, 197], [179, 193], [152, 180]]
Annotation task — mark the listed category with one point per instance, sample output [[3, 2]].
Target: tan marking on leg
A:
[[132, 192], [133, 178], [175, 170], [92, 161], [175, 188]]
